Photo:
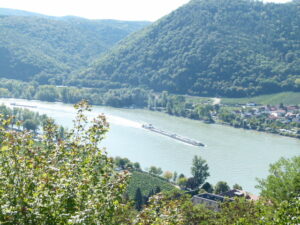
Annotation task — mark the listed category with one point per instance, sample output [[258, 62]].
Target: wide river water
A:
[[233, 155]]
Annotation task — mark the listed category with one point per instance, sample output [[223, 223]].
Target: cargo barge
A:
[[174, 136]]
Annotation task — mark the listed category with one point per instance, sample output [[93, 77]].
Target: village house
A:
[[251, 104], [290, 115], [292, 108], [210, 201], [297, 118]]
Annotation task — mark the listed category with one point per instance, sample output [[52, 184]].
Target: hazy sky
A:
[[101, 9]]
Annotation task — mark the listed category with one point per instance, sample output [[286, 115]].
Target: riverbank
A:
[[206, 109]]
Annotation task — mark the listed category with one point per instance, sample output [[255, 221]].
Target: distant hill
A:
[[209, 47], [46, 49], [16, 12]]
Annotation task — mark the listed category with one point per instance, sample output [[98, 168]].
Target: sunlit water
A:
[[234, 155]]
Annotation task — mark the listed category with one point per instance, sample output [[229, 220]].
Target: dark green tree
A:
[[221, 187], [138, 198], [175, 176], [192, 183], [121, 162], [207, 187], [237, 186], [199, 170], [157, 190], [136, 166], [30, 125]]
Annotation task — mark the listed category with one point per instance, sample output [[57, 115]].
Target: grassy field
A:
[[198, 100], [146, 182], [287, 98]]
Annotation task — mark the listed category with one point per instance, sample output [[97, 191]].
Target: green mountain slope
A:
[[48, 49], [210, 47]]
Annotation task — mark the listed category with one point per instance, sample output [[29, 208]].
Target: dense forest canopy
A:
[[216, 47], [47, 49], [230, 48]]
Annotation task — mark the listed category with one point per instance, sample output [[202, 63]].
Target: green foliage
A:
[[182, 182], [30, 125], [126, 164], [288, 212], [122, 163], [178, 209], [207, 187], [228, 48], [125, 97], [70, 181], [237, 186], [283, 181], [199, 170], [161, 211], [226, 115], [155, 170], [221, 187], [244, 212], [147, 183], [120, 97]]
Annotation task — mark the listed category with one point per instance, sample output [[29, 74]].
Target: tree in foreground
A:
[[199, 170], [70, 181], [283, 183], [161, 211]]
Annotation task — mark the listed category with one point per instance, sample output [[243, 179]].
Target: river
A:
[[233, 155]]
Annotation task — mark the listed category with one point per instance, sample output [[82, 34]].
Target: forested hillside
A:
[[209, 47], [48, 49]]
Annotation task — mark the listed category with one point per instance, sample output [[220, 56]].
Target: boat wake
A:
[[123, 122]]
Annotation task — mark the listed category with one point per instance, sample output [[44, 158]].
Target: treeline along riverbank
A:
[[279, 119]]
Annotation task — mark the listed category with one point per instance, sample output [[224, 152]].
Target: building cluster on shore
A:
[[285, 114], [280, 119]]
